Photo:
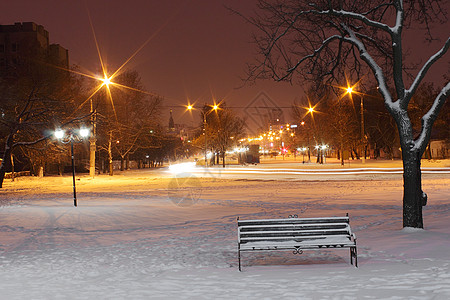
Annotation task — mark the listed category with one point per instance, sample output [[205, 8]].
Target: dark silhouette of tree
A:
[[223, 128], [124, 122], [35, 98], [314, 39]]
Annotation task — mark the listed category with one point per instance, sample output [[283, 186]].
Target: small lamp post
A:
[[72, 136]]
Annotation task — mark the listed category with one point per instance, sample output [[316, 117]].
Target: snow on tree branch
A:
[[377, 71], [355, 16]]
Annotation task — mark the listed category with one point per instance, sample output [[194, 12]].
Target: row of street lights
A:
[[77, 135], [349, 90]]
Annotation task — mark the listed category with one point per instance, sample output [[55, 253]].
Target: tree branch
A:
[[425, 69], [316, 51], [355, 16], [376, 69], [429, 118]]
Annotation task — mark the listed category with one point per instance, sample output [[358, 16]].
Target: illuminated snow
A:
[[127, 239]]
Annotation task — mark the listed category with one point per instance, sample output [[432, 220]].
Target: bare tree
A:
[[223, 128], [314, 38], [229, 127], [34, 99], [124, 121]]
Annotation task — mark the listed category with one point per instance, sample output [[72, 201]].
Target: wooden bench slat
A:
[[292, 246], [299, 243], [293, 234], [243, 239], [294, 226], [293, 221]]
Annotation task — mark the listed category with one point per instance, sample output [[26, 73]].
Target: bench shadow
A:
[[287, 258]]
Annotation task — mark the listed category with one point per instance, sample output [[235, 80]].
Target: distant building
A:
[[28, 41]]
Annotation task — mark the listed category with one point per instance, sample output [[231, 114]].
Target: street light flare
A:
[[59, 133], [106, 81], [84, 132]]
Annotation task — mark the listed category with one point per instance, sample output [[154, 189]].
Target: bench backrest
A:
[[292, 229]]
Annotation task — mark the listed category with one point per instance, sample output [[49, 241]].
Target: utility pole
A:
[[92, 143], [363, 152], [204, 128]]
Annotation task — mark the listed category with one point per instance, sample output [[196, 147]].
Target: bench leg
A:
[[239, 257], [353, 254]]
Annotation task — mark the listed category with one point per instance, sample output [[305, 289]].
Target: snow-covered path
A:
[[130, 238]]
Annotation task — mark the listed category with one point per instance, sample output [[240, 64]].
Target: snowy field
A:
[[152, 235]]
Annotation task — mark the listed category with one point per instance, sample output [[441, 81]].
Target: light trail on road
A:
[[268, 171]]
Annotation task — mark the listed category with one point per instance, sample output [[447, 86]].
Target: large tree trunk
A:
[[413, 196], [6, 161], [122, 163], [223, 158], [110, 164]]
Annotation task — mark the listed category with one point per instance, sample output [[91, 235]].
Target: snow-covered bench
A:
[[296, 234]]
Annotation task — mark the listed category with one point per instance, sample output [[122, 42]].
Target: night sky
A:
[[198, 51]]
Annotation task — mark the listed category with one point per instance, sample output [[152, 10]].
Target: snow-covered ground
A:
[[147, 234]]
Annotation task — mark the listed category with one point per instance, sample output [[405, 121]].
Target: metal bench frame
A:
[[296, 234]]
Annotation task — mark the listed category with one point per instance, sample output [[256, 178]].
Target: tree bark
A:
[[122, 163], [110, 164], [413, 196], [223, 158]]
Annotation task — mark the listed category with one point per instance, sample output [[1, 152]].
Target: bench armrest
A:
[[353, 237]]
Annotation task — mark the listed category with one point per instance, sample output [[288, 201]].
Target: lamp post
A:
[[70, 137], [310, 110], [92, 142], [204, 128], [363, 152], [215, 107]]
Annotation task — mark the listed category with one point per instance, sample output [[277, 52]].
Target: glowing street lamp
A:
[[214, 107], [311, 111], [72, 136], [350, 90]]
